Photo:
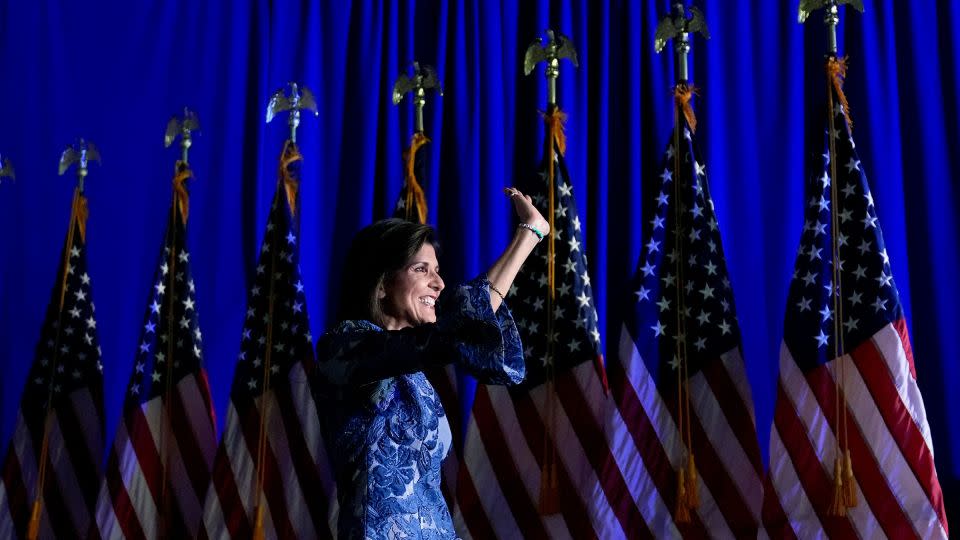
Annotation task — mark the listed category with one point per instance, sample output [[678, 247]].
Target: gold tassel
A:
[[33, 530], [838, 507], [850, 498], [693, 488], [682, 513], [415, 194], [837, 71], [683, 94], [291, 185], [180, 175]]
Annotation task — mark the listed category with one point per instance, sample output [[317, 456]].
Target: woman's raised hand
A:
[[526, 211]]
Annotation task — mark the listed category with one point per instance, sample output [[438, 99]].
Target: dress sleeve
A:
[[487, 343], [467, 332], [359, 352]]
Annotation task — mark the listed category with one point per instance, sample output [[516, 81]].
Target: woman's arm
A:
[[504, 271]]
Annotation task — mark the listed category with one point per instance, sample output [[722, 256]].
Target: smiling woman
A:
[[385, 429]]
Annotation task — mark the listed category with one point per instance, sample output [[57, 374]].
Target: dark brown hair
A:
[[376, 253]]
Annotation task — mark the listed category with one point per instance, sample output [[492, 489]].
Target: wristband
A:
[[496, 290], [534, 230]]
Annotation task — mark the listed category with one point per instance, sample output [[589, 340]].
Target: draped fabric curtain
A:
[[115, 72]]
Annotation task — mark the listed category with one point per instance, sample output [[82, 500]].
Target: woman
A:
[[385, 430]]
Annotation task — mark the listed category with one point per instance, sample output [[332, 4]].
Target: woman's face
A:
[[409, 297]]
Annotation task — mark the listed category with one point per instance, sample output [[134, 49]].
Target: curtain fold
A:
[[115, 72]]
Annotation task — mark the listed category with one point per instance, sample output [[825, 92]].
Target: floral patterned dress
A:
[[385, 430]]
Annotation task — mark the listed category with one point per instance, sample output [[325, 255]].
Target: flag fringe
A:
[[415, 195]]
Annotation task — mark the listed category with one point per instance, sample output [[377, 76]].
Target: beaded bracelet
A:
[[534, 230]]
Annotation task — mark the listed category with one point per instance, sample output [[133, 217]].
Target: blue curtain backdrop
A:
[[115, 73]]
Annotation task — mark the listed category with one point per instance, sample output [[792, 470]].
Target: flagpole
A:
[[844, 493], [182, 128], [299, 98], [417, 85], [557, 47], [80, 154], [677, 27]]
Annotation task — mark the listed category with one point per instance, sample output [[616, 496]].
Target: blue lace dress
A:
[[385, 430]]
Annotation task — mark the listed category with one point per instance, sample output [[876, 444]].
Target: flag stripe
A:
[[288, 447], [225, 492], [572, 508], [783, 482], [508, 477], [810, 472], [725, 378], [477, 468], [118, 520], [195, 433], [468, 513], [651, 426], [902, 410], [272, 490], [67, 481], [595, 449], [886, 448], [303, 431], [873, 486]]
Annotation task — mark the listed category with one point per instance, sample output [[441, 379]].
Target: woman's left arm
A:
[[505, 269]]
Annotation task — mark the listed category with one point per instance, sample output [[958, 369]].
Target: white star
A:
[[188, 304], [538, 304], [574, 345], [860, 272], [155, 376], [139, 367], [694, 234], [703, 318], [291, 239], [884, 256], [252, 384], [662, 199], [563, 290], [574, 244], [849, 190], [855, 298], [85, 279], [196, 351], [261, 268], [135, 389], [657, 329], [818, 229], [576, 223], [846, 216], [670, 152], [80, 295], [880, 304], [884, 279], [851, 324], [647, 269], [642, 294], [184, 256], [711, 268], [864, 246], [668, 280], [821, 339], [724, 327], [653, 245], [255, 291], [814, 252], [657, 222], [586, 278], [595, 334], [664, 303], [697, 211], [145, 347], [74, 252], [823, 204], [165, 268], [75, 313], [826, 313], [809, 278], [853, 164], [197, 335], [869, 221], [583, 299], [666, 176], [706, 291], [570, 266], [565, 189], [699, 169], [701, 343], [297, 307], [804, 304], [869, 197], [825, 179]]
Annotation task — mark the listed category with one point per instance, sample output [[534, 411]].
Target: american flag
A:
[[412, 206], [271, 453], [62, 405], [512, 433], [679, 379], [886, 429], [158, 469]]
